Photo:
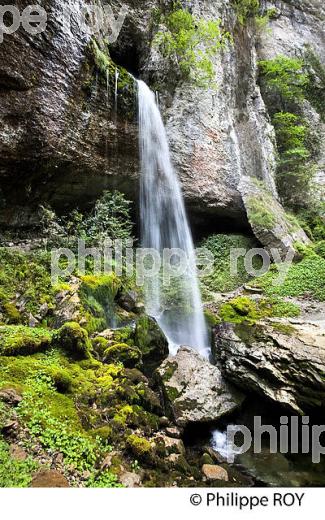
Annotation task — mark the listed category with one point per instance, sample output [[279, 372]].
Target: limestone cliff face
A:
[[62, 140]]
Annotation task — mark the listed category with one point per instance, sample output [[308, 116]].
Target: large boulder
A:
[[282, 361], [274, 229], [152, 343], [194, 390]]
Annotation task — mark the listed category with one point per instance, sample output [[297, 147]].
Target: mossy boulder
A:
[[123, 353], [152, 343], [140, 447], [23, 341], [74, 340]]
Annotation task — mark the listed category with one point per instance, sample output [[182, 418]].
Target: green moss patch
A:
[[20, 340]]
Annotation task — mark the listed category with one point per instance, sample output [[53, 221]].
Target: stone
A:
[[174, 432], [17, 453], [172, 445], [271, 225], [212, 472], [128, 301], [10, 396], [278, 359], [152, 342], [194, 390], [49, 479], [130, 480]]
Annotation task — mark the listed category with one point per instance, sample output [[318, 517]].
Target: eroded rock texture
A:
[[62, 141], [280, 361]]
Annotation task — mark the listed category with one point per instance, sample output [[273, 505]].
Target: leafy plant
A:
[[246, 9], [221, 246], [285, 77], [285, 81], [293, 169], [61, 432], [105, 479], [303, 279], [15, 473], [192, 42]]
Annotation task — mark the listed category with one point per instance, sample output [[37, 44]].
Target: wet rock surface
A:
[[194, 390], [282, 360]]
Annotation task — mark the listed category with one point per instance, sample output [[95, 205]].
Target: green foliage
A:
[[319, 248], [139, 446], [294, 174], [104, 479], [312, 220], [192, 42], [110, 218], [315, 91], [246, 9], [27, 275], [15, 473], [221, 246], [259, 213], [286, 83], [56, 429], [20, 340], [285, 77], [98, 295], [74, 339], [303, 279], [244, 309]]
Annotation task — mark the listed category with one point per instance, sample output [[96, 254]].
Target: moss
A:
[[169, 371], [139, 446], [123, 353], [74, 340], [123, 415], [211, 319], [12, 313], [259, 213], [97, 294], [27, 275], [60, 377], [221, 247], [284, 328], [20, 340], [243, 309], [106, 70], [238, 310], [104, 433], [151, 341]]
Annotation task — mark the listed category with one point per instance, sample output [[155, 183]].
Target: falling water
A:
[[164, 225], [117, 74], [107, 87]]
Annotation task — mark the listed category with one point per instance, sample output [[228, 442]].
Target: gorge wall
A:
[[62, 141]]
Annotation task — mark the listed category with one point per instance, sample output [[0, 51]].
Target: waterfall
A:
[[164, 225]]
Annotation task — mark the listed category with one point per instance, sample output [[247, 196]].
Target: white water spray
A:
[[117, 75], [164, 225]]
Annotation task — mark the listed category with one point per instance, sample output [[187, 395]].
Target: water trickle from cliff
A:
[[117, 74], [164, 225]]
